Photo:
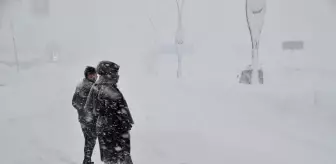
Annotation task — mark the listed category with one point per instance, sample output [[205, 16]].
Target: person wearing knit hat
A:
[[115, 121], [107, 68]]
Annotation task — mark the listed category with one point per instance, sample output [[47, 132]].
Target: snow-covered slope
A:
[[204, 117]]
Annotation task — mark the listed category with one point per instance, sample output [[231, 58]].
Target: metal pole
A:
[[179, 37], [14, 46], [179, 61], [255, 12]]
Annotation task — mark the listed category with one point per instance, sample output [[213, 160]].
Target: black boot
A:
[[87, 161]]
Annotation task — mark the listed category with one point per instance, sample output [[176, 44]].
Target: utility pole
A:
[[14, 46], [179, 37], [255, 13]]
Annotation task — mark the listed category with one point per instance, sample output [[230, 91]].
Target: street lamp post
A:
[[179, 37], [14, 46], [255, 13], [5, 4]]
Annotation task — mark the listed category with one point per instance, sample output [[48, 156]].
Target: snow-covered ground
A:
[[177, 121], [204, 117]]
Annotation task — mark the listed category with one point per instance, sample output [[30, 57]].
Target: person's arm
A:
[[89, 105], [125, 110], [75, 99]]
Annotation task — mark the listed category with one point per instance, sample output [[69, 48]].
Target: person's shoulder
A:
[[88, 84], [78, 84], [111, 92]]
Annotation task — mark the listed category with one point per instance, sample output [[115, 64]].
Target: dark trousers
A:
[[90, 136], [115, 147]]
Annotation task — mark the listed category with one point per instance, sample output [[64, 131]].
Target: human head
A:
[[90, 73], [107, 68]]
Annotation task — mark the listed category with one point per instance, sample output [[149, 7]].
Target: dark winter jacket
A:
[[107, 102], [80, 96]]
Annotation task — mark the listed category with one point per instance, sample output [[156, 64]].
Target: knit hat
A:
[[107, 68]]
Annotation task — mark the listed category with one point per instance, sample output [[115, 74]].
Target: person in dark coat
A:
[[114, 118], [78, 101]]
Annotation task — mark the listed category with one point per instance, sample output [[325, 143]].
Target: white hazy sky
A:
[[87, 26]]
